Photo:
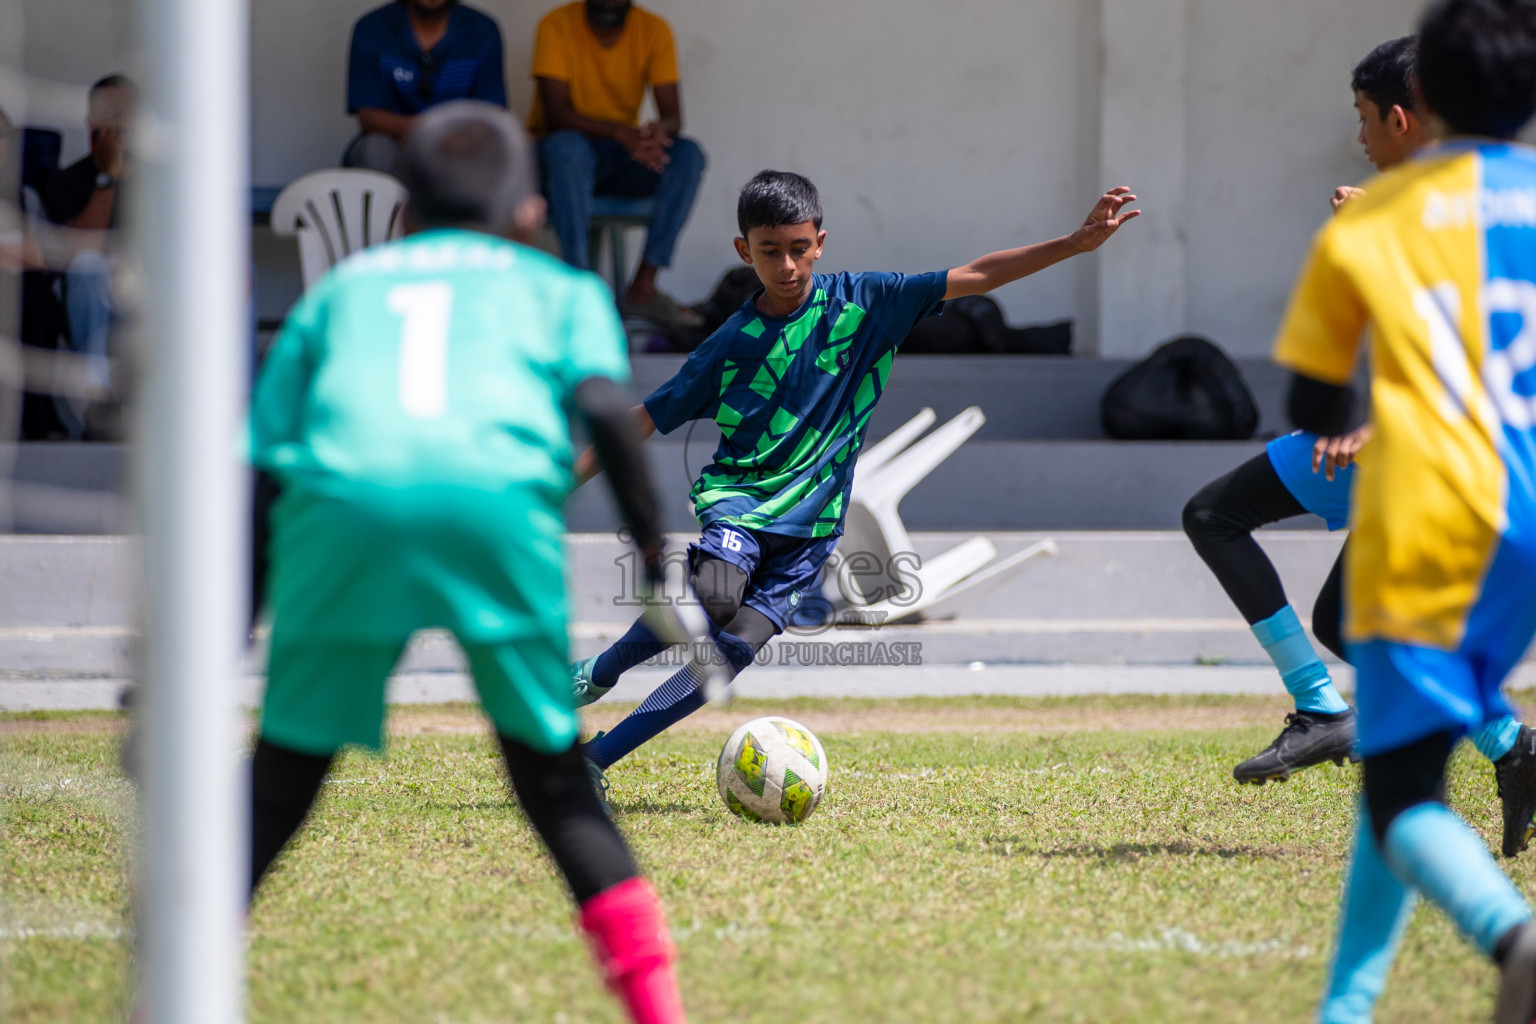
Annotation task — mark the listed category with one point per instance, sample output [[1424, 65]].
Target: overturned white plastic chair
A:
[[880, 576], [335, 213]]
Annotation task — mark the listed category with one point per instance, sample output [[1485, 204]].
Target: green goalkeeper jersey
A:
[[447, 359]]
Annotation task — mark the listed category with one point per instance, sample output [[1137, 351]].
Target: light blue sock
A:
[[1303, 672], [1434, 851], [1377, 907], [1497, 737]]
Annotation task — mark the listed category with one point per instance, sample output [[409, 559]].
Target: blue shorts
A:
[[781, 570], [1291, 456], [1405, 692]]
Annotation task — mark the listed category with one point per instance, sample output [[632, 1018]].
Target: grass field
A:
[[976, 860]]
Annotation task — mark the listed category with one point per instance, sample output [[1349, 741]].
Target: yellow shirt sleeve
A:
[[662, 67], [553, 49], [1321, 334]]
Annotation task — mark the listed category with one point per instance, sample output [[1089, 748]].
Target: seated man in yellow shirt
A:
[[592, 60]]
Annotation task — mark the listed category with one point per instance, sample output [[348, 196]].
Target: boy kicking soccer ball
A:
[[1438, 259], [415, 409], [1304, 473], [791, 379]]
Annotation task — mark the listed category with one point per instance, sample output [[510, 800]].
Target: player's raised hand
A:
[[1104, 219]]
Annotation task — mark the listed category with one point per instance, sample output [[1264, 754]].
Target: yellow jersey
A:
[[607, 83], [1438, 261]]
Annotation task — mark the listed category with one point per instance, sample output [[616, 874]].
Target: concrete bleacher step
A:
[[1006, 485], [1039, 462], [988, 484]]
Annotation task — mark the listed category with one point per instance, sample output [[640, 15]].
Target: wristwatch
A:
[[104, 180]]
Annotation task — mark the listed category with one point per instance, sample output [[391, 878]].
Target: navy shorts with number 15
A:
[[781, 570]]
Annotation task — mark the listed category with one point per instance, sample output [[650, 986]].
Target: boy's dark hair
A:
[[1477, 64], [467, 163], [115, 81], [1387, 74], [773, 198]]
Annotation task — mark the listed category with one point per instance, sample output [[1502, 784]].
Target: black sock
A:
[[1507, 942], [284, 784], [556, 794]]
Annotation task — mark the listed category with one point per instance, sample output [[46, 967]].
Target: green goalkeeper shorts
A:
[[352, 578], [322, 696]]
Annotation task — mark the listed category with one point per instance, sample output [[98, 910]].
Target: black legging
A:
[[721, 588], [554, 790], [1328, 609], [1404, 778], [1220, 520]]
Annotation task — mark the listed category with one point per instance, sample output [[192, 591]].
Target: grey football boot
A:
[[1307, 739], [599, 778]]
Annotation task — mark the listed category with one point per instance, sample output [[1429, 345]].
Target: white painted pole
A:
[[192, 224]]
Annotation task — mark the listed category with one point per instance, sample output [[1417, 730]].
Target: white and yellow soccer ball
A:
[[772, 770]]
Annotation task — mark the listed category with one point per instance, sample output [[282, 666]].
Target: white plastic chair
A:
[[335, 213], [877, 582]]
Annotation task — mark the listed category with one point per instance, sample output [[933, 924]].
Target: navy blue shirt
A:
[[386, 62], [792, 396]]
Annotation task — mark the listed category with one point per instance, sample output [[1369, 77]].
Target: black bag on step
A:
[[996, 336], [975, 324], [1187, 389]]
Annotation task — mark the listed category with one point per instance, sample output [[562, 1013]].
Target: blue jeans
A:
[[88, 304], [577, 168], [89, 309]]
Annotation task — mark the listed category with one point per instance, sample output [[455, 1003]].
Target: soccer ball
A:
[[772, 770]]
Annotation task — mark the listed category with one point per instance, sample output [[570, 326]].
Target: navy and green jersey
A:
[[448, 358], [792, 397]]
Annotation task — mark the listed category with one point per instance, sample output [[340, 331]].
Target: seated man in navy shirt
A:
[[410, 55]]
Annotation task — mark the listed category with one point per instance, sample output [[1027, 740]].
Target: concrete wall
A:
[[936, 131]]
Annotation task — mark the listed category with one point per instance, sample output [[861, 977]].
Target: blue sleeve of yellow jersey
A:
[[899, 302], [694, 391]]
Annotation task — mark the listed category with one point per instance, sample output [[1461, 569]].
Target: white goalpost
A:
[[192, 226]]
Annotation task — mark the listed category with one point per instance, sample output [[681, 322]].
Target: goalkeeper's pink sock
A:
[[629, 936]]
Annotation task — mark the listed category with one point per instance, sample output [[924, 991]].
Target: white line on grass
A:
[[1177, 940], [83, 931]]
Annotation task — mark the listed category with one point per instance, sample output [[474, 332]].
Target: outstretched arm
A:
[[996, 269], [587, 463]]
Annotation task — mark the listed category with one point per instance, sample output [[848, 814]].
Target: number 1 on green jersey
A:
[[425, 308]]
